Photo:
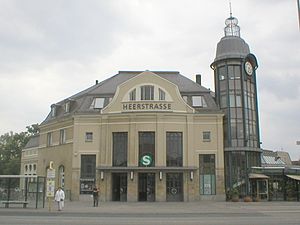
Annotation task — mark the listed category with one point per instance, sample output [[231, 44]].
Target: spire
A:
[[232, 28]]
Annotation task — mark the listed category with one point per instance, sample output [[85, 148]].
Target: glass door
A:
[[119, 187], [147, 187], [174, 187]]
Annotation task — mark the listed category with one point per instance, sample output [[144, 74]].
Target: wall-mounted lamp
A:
[[102, 175], [160, 175], [131, 175], [192, 175]]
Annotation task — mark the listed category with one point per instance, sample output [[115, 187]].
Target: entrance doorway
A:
[[147, 187], [174, 187], [119, 187]]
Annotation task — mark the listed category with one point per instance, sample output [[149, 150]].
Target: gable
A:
[[147, 92]]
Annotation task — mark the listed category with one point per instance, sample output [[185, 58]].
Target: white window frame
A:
[[144, 92], [67, 107], [53, 111], [62, 136], [161, 95], [198, 101], [98, 103], [132, 95]]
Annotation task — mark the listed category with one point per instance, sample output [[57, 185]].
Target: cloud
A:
[[51, 50]]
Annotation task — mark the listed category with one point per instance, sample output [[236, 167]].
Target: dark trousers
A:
[[95, 201]]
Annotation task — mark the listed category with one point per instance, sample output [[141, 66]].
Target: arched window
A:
[[61, 176]]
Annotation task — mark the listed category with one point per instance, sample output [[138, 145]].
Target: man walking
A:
[[60, 198]]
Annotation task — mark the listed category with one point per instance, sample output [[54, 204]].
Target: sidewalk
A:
[[164, 207]]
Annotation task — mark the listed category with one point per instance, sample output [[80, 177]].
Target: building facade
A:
[[158, 136], [138, 136]]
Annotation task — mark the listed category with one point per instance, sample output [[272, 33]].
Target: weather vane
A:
[[230, 8]]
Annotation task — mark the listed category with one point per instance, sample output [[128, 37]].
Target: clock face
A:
[[248, 68]]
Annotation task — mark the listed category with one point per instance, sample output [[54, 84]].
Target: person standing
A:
[[60, 198], [95, 196]]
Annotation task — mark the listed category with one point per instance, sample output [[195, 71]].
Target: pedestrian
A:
[[95, 196], [60, 198]]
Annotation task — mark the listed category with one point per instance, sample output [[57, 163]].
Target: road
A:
[[208, 213]]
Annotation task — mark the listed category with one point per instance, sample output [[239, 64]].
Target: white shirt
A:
[[60, 194]]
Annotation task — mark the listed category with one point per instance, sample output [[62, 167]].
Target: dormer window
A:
[[67, 107], [132, 95], [161, 95], [97, 103], [147, 92], [198, 101], [53, 111]]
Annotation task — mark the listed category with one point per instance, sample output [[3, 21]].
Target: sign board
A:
[[50, 173], [50, 188], [50, 183], [146, 159]]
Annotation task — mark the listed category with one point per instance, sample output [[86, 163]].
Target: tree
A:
[[11, 145]]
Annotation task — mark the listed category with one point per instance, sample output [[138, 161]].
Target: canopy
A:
[[257, 176], [295, 177]]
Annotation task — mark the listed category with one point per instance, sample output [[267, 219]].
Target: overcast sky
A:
[[50, 50]]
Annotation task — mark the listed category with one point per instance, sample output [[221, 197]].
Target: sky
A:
[[52, 49]]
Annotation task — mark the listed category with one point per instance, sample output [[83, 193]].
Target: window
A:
[[49, 139], [88, 136], [199, 101], [97, 103], [61, 176], [132, 95], [53, 111], [222, 73], [87, 173], [147, 92], [62, 136], [207, 170], [174, 148], [147, 146], [234, 72], [223, 101], [67, 107], [161, 95], [120, 148], [206, 136]]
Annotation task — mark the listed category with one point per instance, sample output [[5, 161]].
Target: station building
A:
[[139, 136], [157, 135]]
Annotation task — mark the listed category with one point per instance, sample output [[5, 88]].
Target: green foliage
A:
[[11, 145]]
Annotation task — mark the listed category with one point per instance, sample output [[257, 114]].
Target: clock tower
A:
[[236, 94]]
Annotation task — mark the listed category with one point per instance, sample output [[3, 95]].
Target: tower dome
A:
[[231, 45]]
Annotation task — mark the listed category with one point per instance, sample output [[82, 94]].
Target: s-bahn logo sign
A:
[[146, 159]]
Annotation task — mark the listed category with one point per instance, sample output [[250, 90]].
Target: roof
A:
[[231, 47], [272, 161], [81, 101], [33, 142]]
